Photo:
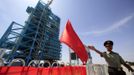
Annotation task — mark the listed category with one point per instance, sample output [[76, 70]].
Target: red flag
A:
[[70, 38]]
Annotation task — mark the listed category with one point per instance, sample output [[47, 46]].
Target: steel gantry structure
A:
[[38, 39]]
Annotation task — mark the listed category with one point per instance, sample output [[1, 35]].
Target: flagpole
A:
[[69, 55], [77, 59]]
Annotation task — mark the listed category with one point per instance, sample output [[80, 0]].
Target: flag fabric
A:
[[70, 38], [28, 70]]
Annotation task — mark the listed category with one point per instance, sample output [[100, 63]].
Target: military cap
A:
[[108, 42]]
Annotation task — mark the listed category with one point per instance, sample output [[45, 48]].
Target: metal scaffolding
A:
[[38, 39]]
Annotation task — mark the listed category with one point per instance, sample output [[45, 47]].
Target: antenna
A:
[[49, 2]]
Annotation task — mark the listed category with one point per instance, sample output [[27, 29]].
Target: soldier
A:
[[113, 59]]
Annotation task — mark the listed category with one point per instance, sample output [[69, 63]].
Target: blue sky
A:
[[93, 20]]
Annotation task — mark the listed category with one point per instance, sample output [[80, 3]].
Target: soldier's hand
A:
[[132, 70], [92, 47]]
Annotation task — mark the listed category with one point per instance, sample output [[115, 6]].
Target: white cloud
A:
[[112, 27]]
